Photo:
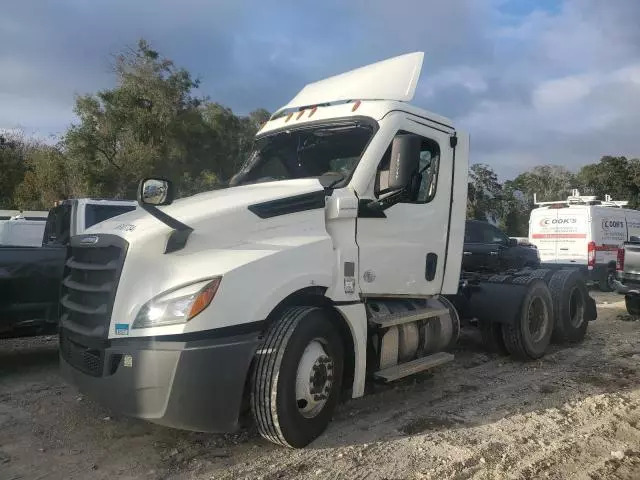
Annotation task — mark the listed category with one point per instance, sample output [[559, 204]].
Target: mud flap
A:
[[591, 311]]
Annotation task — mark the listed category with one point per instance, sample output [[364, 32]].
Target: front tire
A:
[[632, 303], [605, 284], [297, 377]]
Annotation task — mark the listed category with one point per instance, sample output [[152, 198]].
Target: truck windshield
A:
[[99, 213], [328, 152]]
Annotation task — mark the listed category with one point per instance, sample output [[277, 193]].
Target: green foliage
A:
[[48, 177], [13, 150], [550, 182], [484, 197], [615, 176], [149, 124]]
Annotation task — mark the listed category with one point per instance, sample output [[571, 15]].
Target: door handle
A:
[[430, 267], [467, 253], [493, 253]]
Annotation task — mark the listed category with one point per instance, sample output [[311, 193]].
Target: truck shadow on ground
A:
[[21, 356], [481, 388]]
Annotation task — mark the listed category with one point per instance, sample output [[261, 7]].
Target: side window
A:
[[473, 233], [493, 235], [427, 169]]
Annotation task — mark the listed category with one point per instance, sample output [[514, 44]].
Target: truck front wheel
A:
[[297, 377]]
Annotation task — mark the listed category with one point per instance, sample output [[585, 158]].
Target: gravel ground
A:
[[574, 414]]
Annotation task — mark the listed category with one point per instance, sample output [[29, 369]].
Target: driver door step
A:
[[409, 368]]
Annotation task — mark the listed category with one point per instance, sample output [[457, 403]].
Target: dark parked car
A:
[[488, 249]]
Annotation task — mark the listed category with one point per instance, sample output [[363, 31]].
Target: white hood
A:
[[200, 209]]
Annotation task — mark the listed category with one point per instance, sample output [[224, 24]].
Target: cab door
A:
[[402, 251]]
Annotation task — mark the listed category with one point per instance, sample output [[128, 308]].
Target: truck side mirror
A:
[[405, 160], [155, 191]]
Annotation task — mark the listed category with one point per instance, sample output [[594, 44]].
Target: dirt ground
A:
[[574, 414]]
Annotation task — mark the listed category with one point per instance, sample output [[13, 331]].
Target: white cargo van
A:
[[583, 232]]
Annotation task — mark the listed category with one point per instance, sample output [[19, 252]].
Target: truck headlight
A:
[[177, 306]]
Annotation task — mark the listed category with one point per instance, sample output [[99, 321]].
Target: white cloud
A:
[[561, 92], [469, 78]]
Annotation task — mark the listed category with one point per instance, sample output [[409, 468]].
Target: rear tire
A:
[[632, 303], [606, 284], [569, 294], [297, 377], [530, 336]]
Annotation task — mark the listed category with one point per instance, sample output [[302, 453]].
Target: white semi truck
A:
[[333, 257]]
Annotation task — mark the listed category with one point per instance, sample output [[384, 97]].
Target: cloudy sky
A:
[[534, 82]]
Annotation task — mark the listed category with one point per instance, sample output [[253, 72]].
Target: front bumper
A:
[[192, 385]]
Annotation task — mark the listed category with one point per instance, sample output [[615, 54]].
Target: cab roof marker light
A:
[[356, 105], [289, 117], [313, 110], [300, 114]]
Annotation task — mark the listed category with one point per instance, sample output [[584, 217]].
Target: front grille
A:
[[83, 358], [90, 282]]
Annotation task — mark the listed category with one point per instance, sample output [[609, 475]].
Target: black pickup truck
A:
[[30, 277], [488, 249]]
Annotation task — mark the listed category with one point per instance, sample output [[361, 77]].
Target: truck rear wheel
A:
[[529, 337], [632, 302], [569, 304], [297, 377]]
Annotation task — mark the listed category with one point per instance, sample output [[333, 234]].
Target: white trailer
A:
[[334, 256]]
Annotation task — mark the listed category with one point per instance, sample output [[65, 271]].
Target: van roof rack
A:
[[576, 199]]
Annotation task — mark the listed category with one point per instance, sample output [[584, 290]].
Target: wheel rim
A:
[[576, 307], [314, 379], [538, 319]]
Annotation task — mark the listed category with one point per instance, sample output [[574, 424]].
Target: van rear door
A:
[[572, 235], [541, 233], [610, 229]]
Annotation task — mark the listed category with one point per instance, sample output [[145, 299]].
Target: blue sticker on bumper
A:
[[122, 329]]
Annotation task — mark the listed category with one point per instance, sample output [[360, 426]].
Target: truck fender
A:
[[289, 289], [505, 291]]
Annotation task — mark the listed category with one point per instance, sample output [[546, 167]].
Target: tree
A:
[[549, 182], [515, 211], [49, 177], [13, 149], [149, 124], [615, 176], [484, 194]]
